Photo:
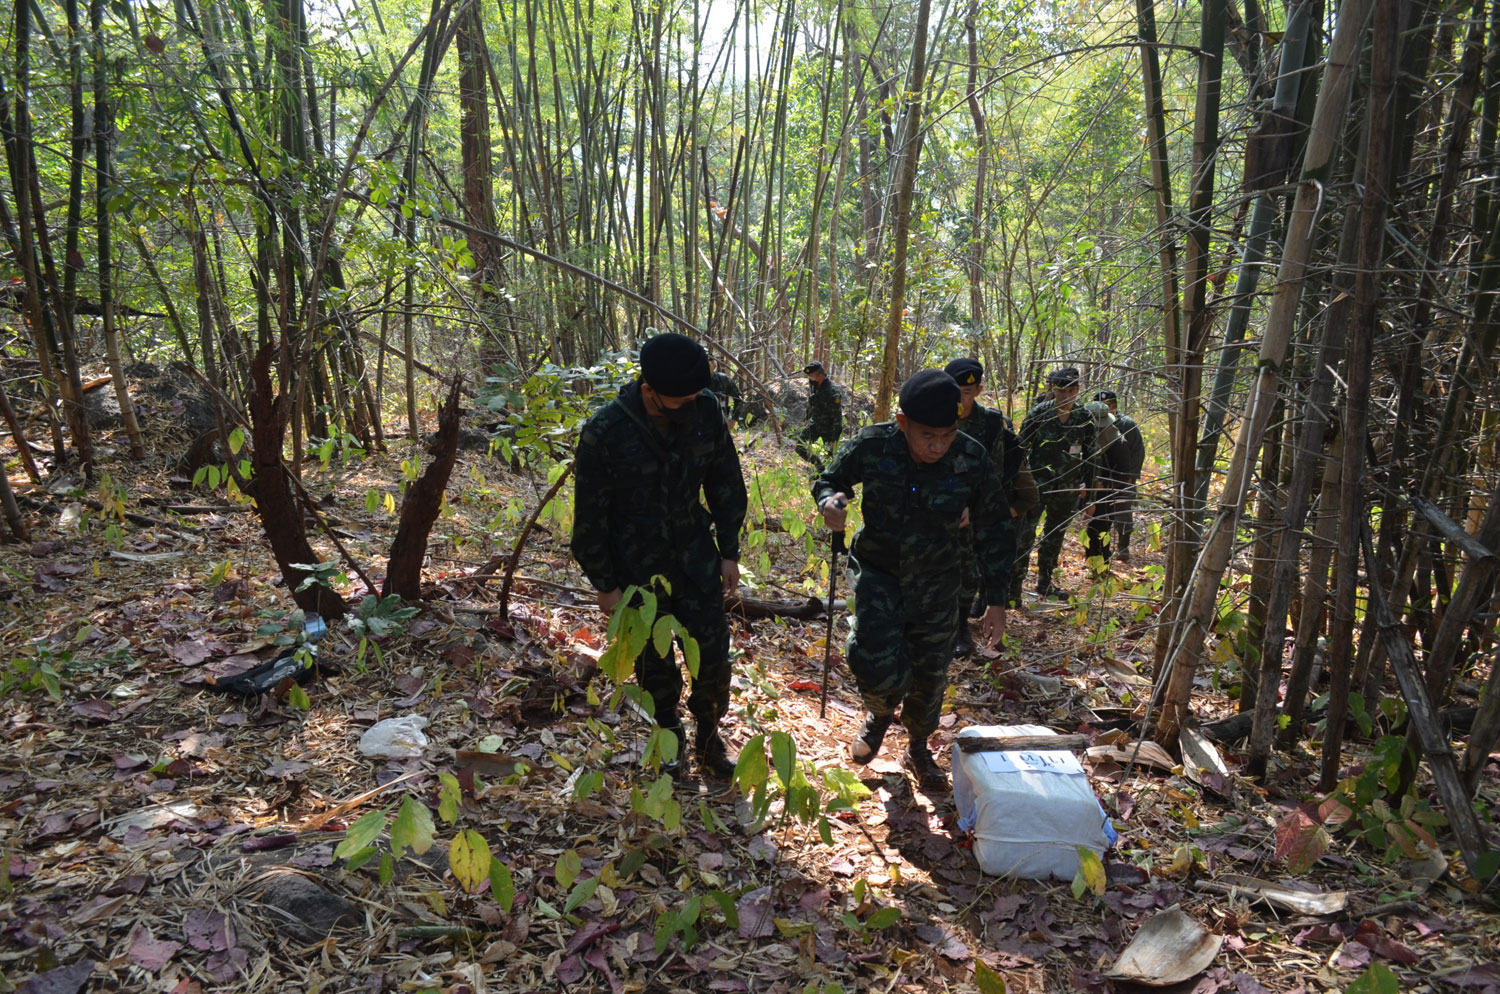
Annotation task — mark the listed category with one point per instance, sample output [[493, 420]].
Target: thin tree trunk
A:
[[906, 181], [981, 168], [1193, 627], [23, 447], [1314, 588], [1386, 39], [104, 136], [1295, 52], [1188, 375], [1157, 152]]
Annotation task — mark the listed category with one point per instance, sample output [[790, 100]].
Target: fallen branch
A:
[[317, 821], [747, 606], [1021, 743]]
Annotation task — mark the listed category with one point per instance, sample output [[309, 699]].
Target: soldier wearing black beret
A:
[[825, 416], [991, 429], [920, 475], [1061, 448], [659, 492], [1120, 479]]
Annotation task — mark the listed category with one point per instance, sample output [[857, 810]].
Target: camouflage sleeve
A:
[[994, 535], [725, 490], [1023, 493], [841, 475], [1028, 431], [1093, 456], [591, 506], [1137, 444]]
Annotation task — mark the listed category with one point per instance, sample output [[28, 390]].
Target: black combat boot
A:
[[867, 743], [963, 645], [1046, 589], [976, 610], [710, 752], [919, 762]]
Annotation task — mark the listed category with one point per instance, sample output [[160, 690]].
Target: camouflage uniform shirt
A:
[[825, 412], [640, 495], [912, 510], [1059, 452], [728, 392], [992, 429]]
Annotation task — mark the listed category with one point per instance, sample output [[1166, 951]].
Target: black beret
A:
[[965, 372], [1064, 377], [1105, 395], [930, 398], [674, 365], [813, 367]]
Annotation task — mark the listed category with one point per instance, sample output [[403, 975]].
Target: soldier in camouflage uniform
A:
[[641, 464], [991, 429], [1128, 475], [722, 386], [1110, 474], [920, 475], [825, 415], [1059, 440]]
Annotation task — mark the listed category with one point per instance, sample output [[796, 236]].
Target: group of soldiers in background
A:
[[951, 499], [1084, 458]]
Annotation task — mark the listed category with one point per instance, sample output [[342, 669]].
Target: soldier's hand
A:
[[730, 571], [609, 598], [993, 627], [836, 511], [963, 522]]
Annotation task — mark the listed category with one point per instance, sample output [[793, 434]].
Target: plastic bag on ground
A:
[[395, 738]]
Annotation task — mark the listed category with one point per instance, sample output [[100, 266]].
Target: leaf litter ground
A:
[[162, 837]]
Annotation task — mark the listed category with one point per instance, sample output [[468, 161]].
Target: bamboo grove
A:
[[1272, 228]]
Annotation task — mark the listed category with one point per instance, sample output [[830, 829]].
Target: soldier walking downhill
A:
[[825, 416], [1059, 440], [991, 429], [722, 386], [1127, 477], [920, 476], [644, 466]]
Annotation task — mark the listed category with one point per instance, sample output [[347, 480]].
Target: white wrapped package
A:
[[1029, 811]]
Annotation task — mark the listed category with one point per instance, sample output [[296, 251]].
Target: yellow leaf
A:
[[1182, 862], [1093, 871], [469, 859]]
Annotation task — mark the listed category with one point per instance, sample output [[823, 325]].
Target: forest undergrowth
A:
[[160, 835]]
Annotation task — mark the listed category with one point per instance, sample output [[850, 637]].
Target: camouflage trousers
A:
[[970, 581], [902, 642], [813, 447], [1059, 505], [1112, 512], [700, 609], [1025, 541]]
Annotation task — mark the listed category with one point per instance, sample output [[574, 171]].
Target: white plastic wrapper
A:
[[395, 738], [1029, 811]]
